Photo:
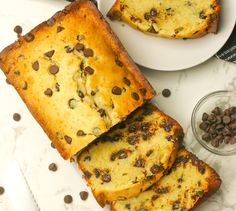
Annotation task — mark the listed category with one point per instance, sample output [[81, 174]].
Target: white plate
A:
[[171, 55]]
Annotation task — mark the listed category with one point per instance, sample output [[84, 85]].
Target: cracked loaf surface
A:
[[74, 76], [131, 156], [169, 18]]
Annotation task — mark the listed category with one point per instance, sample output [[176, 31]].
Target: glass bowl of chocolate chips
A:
[[214, 122]]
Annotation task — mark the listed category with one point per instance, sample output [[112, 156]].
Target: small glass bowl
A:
[[222, 99]]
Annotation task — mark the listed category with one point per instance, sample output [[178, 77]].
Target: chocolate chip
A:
[[18, 29], [80, 133], [166, 93], [149, 152], [135, 96], [226, 120], [126, 81], [35, 66], [50, 22], [68, 49], [52, 145], [145, 127], [24, 85], [206, 137], [133, 128], [127, 206], [68, 139], [162, 190], [93, 93], [156, 168], [201, 169], [97, 172], [147, 111], [2, 190], [87, 158], [83, 195], [226, 131], [49, 54], [233, 117], [57, 86], [122, 154], [88, 52], [54, 69], [212, 118], [88, 70], [139, 162], [227, 139], [60, 28], [116, 90], [118, 62], [205, 116], [102, 112], [203, 126], [113, 156], [202, 15], [79, 47], [48, 92], [153, 12], [155, 197], [29, 37], [132, 140], [68, 199], [106, 178], [217, 111], [52, 167], [215, 143], [167, 126], [16, 117], [72, 103], [87, 174]]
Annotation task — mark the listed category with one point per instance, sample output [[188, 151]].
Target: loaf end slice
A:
[[131, 156], [74, 76], [189, 183], [170, 19]]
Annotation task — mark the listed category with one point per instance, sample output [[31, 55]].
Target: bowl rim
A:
[[193, 123]]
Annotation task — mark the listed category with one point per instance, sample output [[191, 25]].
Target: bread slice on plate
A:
[[189, 182], [74, 76], [169, 18], [131, 156]]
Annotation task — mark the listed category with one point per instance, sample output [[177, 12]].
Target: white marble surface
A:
[[26, 141]]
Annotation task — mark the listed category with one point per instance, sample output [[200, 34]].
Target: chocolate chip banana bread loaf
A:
[[189, 182], [169, 18], [75, 77], [131, 156]]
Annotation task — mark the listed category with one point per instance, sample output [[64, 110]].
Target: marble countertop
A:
[[26, 141]]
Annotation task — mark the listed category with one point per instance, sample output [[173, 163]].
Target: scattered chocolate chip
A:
[[88, 70], [139, 162], [29, 37], [60, 28], [203, 126], [49, 54], [48, 92], [149, 152], [145, 126], [162, 190], [18, 29], [72, 103], [87, 174], [153, 12], [127, 206], [133, 128], [116, 90], [167, 126], [53, 69], [57, 86], [88, 52], [226, 120], [35, 66], [83, 195], [93, 93], [52, 167], [2, 190], [68, 199], [102, 112], [50, 22], [205, 116], [106, 178], [68, 49], [79, 47], [135, 96], [97, 172], [16, 117], [87, 158], [166, 93], [68, 139], [126, 81], [155, 197], [80, 133], [132, 140], [156, 168], [118, 62], [202, 15], [201, 169], [113, 156], [122, 154], [206, 137]]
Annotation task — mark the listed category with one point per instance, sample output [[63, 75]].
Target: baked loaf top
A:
[[169, 18], [74, 76], [188, 184], [132, 156]]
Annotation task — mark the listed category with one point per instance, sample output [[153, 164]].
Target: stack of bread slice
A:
[[78, 81]]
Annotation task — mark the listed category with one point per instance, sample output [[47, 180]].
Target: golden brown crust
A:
[[210, 26], [9, 61]]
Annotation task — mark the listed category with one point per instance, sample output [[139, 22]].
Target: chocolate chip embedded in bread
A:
[[49, 54], [87, 158], [83, 195], [24, 85], [88, 52], [35, 65], [60, 28], [133, 128], [88, 70], [139, 162], [118, 62], [18, 29], [116, 90], [80, 133], [149, 152], [72, 103], [2, 190], [29, 37], [80, 94], [102, 112], [54, 69], [79, 47], [68, 139], [16, 117], [156, 168], [106, 178], [132, 140], [52, 167], [126, 81], [205, 116], [153, 12], [97, 172], [135, 96], [68, 199], [68, 49], [122, 154], [50, 22], [127, 206], [87, 174], [48, 92], [145, 126]]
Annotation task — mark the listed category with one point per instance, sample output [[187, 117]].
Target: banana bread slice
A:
[[169, 18], [189, 182], [131, 156], [74, 76]]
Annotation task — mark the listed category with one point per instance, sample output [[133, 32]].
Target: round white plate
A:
[[167, 54]]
